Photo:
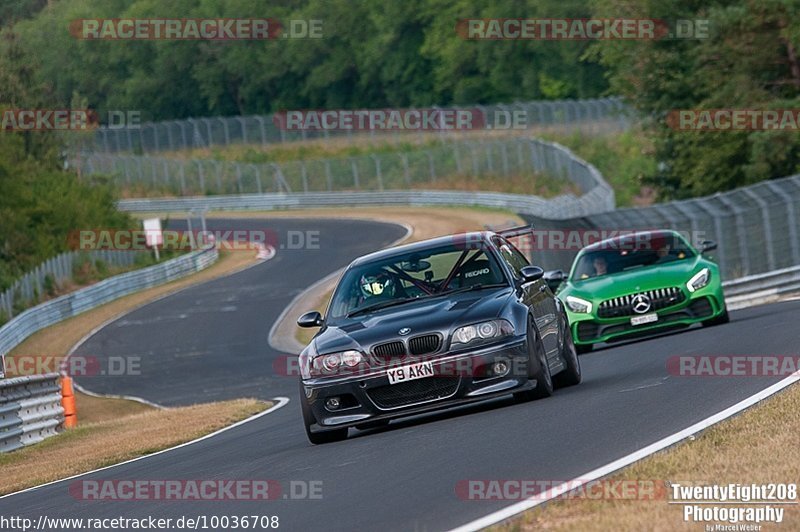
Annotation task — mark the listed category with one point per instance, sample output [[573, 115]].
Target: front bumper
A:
[[702, 305], [458, 378]]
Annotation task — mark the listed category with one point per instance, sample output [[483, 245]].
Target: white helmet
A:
[[376, 285]]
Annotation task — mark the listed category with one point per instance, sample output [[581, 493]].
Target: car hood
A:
[[439, 314], [638, 280]]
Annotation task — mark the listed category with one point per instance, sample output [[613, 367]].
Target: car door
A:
[[536, 295]]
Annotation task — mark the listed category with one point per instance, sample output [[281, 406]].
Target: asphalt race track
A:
[[403, 477], [210, 342]]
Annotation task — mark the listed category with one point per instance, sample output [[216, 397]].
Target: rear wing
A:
[[514, 232]]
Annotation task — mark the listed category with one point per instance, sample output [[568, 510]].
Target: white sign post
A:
[[153, 235]]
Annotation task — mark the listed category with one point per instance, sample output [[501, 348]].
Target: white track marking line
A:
[[514, 509], [281, 402]]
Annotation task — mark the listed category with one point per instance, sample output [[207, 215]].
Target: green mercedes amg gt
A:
[[637, 285]]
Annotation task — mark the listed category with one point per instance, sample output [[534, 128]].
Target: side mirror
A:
[[310, 319], [554, 278], [531, 273], [707, 245]]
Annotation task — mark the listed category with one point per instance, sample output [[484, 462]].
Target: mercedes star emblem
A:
[[641, 303]]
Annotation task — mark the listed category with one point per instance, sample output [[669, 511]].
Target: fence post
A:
[[378, 174], [225, 130], [431, 166], [504, 155], [263, 131], [182, 176], [792, 216], [258, 177], [244, 128], [201, 177], [406, 174], [764, 207], [328, 176], [218, 168], [354, 168]]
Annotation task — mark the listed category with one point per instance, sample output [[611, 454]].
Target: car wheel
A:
[[318, 438], [537, 359], [719, 320], [572, 373]]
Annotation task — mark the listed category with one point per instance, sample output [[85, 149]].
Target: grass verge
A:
[[759, 446], [110, 441]]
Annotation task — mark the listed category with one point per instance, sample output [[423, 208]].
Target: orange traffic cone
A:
[[68, 403]]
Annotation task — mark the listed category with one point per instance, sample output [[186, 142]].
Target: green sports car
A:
[[637, 285]]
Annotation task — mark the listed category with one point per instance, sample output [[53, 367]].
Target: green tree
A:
[[749, 61]]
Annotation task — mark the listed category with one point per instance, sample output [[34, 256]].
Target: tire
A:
[[582, 349], [719, 320], [318, 438], [571, 375], [539, 370]]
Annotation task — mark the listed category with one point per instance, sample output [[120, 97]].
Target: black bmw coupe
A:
[[430, 325]]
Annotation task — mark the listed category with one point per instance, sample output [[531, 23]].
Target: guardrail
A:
[[561, 207], [56, 270], [36, 318], [30, 410], [761, 288]]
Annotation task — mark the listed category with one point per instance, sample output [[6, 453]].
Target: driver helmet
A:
[[376, 284]]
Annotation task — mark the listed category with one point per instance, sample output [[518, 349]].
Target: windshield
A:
[[414, 275], [638, 251]]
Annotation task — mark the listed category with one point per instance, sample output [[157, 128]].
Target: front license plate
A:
[[645, 318], [410, 372]]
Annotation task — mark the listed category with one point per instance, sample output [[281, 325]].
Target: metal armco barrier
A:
[[30, 410], [34, 319], [59, 269], [761, 288], [561, 207]]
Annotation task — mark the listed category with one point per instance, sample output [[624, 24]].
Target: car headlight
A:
[[699, 280], [579, 305], [483, 331], [330, 364]]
